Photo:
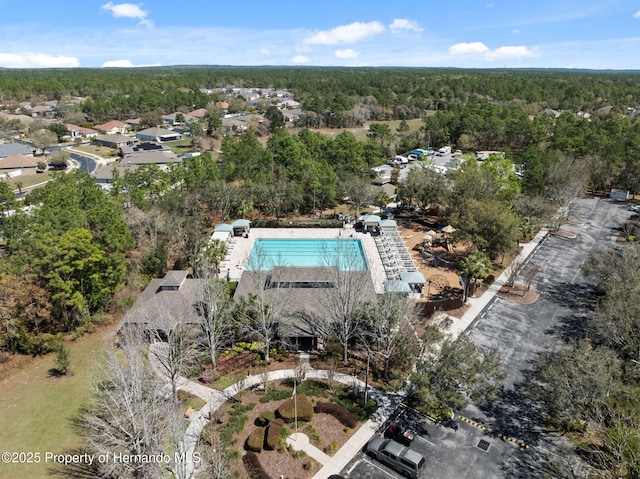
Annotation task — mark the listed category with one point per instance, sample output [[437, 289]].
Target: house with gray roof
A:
[[8, 149], [158, 134], [115, 141], [165, 302]]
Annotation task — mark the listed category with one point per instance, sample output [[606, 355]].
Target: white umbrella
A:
[[448, 229]]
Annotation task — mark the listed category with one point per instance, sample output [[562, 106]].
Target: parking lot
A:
[[441, 446], [518, 443]]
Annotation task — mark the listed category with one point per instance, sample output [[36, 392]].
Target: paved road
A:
[[86, 164]]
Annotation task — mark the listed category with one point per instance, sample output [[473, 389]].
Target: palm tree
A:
[[473, 267]]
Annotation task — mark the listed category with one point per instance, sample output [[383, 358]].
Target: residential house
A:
[[223, 105], [76, 131], [163, 160], [233, 126], [158, 134], [8, 149], [133, 122], [199, 114], [16, 165], [42, 111], [142, 147], [104, 176], [292, 115], [113, 127], [115, 141], [287, 104]]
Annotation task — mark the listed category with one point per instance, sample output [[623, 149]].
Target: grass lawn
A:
[[29, 180], [180, 146], [36, 411], [102, 151]]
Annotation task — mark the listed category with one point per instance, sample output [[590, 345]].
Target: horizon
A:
[[464, 34]]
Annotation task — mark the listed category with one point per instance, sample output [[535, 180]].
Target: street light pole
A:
[[366, 380]]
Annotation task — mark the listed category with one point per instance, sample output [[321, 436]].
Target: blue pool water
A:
[[347, 253]]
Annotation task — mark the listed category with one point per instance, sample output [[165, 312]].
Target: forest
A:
[[298, 171]]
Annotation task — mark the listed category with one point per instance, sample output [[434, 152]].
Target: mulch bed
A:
[[519, 294]]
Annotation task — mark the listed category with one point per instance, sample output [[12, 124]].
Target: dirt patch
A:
[[519, 294], [441, 278]]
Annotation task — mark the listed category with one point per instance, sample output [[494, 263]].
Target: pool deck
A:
[[236, 260]]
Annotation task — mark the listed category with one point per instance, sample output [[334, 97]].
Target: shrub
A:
[[273, 436], [304, 408], [341, 413], [253, 466], [265, 418], [332, 448], [275, 395], [489, 280], [255, 440]]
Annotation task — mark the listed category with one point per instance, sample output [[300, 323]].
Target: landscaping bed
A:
[[238, 420]]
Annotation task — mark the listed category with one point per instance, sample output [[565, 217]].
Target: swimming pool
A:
[[348, 254]]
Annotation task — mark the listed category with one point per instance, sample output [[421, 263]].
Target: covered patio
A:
[[241, 227]]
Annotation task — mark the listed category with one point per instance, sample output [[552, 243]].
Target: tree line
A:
[[589, 387]]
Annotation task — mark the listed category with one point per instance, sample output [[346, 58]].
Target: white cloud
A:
[[265, 51], [128, 10], [37, 60], [637, 14], [511, 53], [345, 33], [348, 53], [118, 64], [300, 59], [516, 31], [400, 25], [500, 53], [474, 48]]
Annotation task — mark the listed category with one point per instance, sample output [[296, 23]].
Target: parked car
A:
[[398, 457], [635, 208], [400, 431]]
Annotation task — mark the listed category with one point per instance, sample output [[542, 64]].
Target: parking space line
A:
[[353, 467], [366, 459], [425, 440]]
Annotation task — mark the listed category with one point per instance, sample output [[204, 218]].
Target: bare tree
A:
[[348, 286], [388, 320], [567, 180], [300, 372], [360, 194], [172, 353], [127, 415], [217, 322], [513, 270], [529, 273], [263, 307]]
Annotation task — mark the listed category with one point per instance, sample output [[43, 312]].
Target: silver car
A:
[[398, 457]]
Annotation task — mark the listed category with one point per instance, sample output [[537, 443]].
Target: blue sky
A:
[[597, 34]]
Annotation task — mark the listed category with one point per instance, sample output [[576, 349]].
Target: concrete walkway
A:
[[300, 442], [387, 403]]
